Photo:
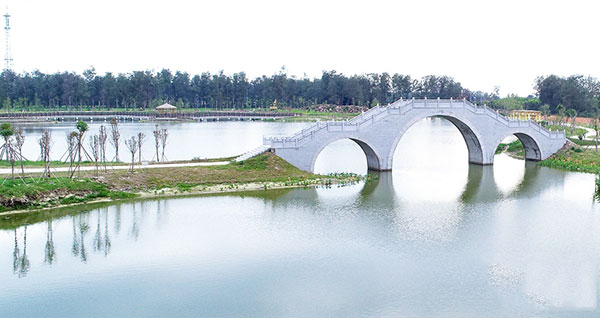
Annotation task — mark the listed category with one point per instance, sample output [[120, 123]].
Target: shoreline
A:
[[173, 193]]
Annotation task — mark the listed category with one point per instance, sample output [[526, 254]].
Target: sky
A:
[[482, 44]]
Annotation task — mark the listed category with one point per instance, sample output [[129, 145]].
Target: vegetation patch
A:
[[265, 171], [582, 142], [514, 149], [569, 130], [574, 159], [32, 193]]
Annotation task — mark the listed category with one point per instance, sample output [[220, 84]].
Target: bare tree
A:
[[71, 148], [156, 132], [115, 135], [597, 130], [20, 140], [141, 137], [12, 155], [45, 143], [163, 141], [102, 136], [132, 145], [95, 150]]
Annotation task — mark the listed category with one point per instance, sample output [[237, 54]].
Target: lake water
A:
[[185, 140], [432, 238]]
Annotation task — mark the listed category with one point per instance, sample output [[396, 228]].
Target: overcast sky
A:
[[480, 43]]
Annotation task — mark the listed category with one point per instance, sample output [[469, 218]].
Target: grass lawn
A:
[[263, 168], [35, 193]]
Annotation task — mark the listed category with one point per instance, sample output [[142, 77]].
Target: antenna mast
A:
[[8, 60]]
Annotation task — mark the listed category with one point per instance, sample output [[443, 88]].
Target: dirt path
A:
[[124, 167]]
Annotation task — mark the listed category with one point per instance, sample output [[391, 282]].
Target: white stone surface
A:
[[379, 130]]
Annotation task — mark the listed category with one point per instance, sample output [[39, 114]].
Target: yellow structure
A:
[[522, 114], [274, 107]]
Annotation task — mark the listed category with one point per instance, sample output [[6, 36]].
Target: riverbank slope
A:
[[266, 171]]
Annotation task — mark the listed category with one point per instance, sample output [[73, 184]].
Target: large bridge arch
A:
[[372, 156], [472, 137]]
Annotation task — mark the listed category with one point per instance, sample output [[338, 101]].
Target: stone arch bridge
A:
[[379, 130]]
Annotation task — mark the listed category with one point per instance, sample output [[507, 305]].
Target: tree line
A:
[[148, 89]]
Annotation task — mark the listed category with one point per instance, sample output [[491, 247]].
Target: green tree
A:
[[82, 127], [545, 109], [571, 114], [6, 131], [560, 111]]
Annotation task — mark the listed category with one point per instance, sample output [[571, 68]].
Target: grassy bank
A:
[[263, 168], [574, 159], [262, 172], [32, 193], [571, 158]]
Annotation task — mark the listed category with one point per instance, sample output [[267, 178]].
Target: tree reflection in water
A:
[[108, 223], [50, 255], [16, 254], [80, 228], [135, 230], [101, 241], [21, 262], [107, 242]]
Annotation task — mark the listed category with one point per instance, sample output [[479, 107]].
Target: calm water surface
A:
[[435, 237], [185, 140]]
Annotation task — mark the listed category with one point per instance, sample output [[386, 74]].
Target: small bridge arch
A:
[[373, 159]]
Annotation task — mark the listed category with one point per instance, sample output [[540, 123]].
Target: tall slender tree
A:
[[115, 136], [141, 137], [163, 142], [102, 136], [45, 143], [19, 141], [132, 146]]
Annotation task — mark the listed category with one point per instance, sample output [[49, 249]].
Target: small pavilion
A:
[[166, 108]]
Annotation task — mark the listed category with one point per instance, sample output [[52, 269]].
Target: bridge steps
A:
[[252, 153]]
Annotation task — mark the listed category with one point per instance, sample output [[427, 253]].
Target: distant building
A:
[[522, 114], [166, 108]]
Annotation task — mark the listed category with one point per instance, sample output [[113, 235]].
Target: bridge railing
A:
[[508, 122]]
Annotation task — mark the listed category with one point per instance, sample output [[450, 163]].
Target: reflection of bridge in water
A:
[[379, 131], [481, 186]]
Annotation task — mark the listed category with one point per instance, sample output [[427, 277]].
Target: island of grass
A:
[[266, 171]]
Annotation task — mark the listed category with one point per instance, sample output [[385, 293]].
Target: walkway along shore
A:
[[119, 167]]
